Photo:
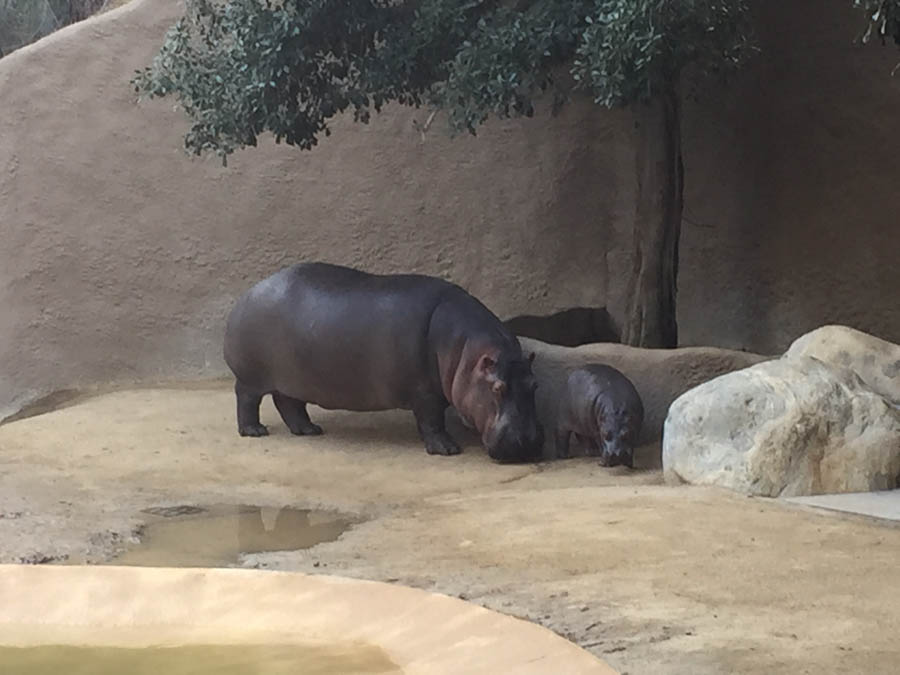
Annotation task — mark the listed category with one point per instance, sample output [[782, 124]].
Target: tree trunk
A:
[[650, 321]]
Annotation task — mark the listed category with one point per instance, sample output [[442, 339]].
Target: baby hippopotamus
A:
[[603, 409]]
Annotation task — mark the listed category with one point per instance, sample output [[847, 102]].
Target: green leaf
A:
[[475, 59]]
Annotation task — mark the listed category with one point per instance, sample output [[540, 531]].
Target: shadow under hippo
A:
[[659, 375]]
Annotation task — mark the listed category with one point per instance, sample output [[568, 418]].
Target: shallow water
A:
[[216, 536], [349, 659]]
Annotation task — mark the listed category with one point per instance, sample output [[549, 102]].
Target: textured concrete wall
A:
[[792, 205], [121, 256]]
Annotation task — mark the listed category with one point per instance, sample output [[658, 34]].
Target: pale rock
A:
[[876, 361], [788, 427]]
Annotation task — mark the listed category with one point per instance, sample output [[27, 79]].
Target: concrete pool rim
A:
[[421, 631]]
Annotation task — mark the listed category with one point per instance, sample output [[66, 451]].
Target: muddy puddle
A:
[[197, 660], [216, 536]]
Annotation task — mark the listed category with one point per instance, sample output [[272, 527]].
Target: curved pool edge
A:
[[421, 631]]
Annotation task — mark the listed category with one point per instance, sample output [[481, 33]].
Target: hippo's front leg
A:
[[594, 448], [429, 412]]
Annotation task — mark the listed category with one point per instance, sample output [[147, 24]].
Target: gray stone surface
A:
[[876, 361], [884, 504], [792, 426]]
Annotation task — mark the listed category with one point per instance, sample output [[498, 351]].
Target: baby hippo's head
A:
[[619, 433]]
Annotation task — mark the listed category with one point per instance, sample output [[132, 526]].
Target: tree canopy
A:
[[241, 68], [882, 19], [25, 21]]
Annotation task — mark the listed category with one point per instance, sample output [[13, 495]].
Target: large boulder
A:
[[787, 427], [660, 376], [876, 361]]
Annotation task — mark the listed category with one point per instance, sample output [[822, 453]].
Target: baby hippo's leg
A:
[[562, 443]]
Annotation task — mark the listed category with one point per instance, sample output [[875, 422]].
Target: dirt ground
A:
[[651, 578]]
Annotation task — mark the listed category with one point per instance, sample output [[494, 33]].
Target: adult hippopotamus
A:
[[601, 406], [345, 339]]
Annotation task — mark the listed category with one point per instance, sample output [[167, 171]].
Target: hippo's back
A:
[[594, 380], [335, 336]]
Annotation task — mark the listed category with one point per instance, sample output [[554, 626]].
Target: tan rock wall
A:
[[121, 256], [791, 188]]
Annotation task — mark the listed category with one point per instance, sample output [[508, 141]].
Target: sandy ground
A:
[[651, 578]]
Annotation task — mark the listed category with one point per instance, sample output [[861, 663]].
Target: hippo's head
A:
[[619, 436], [509, 427]]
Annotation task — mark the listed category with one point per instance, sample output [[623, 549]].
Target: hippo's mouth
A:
[[517, 453], [467, 421], [618, 457]]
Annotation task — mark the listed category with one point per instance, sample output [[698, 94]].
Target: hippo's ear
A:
[[531, 357]]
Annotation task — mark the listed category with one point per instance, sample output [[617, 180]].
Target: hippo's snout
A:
[[618, 455], [512, 447]]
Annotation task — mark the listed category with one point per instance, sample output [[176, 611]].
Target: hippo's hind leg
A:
[[248, 402], [294, 414], [429, 411], [563, 437]]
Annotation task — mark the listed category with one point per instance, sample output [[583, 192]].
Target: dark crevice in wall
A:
[[569, 328]]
